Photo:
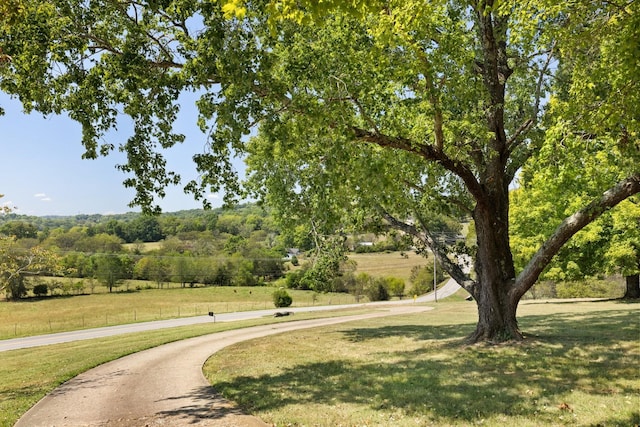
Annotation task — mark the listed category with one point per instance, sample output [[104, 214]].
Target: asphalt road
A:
[[446, 290]]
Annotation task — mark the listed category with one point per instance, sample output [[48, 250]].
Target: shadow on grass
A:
[[448, 382]]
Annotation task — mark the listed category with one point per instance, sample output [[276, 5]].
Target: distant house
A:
[[292, 252]]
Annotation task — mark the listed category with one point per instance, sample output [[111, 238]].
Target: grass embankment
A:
[[578, 366]]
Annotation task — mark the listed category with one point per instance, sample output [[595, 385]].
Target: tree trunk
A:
[[496, 316], [495, 272], [633, 286]]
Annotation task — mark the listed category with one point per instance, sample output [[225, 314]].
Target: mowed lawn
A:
[[579, 366]]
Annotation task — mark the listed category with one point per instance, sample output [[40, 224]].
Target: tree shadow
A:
[[204, 404], [518, 379]]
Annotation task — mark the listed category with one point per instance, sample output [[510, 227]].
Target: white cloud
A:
[[42, 196], [213, 196]]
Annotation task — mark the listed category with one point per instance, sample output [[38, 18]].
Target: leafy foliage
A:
[[369, 114], [18, 263], [281, 298]]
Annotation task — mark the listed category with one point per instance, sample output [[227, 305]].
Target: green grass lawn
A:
[[578, 366]]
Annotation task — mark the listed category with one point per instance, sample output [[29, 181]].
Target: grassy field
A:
[[391, 264], [40, 316], [578, 367], [64, 313], [143, 247]]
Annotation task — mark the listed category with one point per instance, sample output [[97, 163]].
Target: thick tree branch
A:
[[439, 250], [569, 227], [427, 152]]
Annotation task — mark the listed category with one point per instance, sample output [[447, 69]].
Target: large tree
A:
[[377, 111]]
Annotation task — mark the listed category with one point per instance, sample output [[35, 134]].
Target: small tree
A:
[[110, 271], [422, 279], [281, 298], [40, 290], [16, 263], [377, 290], [395, 286]]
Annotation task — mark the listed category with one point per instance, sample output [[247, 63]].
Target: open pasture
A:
[[391, 264], [57, 314], [144, 302]]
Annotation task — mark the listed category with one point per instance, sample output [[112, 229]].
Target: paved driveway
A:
[[164, 386]]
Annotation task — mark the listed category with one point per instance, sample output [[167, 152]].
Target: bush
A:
[[293, 279], [542, 290], [281, 298], [422, 279], [588, 289], [377, 290], [395, 286], [40, 290]]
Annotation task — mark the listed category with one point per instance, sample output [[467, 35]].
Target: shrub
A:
[[377, 290], [293, 279], [542, 290], [422, 279], [587, 289], [40, 290], [281, 298], [395, 286]]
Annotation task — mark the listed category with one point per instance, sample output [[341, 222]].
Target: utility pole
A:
[[435, 280]]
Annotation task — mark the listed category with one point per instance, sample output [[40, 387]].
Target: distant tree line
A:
[[244, 246], [239, 247]]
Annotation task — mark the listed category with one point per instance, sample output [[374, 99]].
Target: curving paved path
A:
[[164, 386]]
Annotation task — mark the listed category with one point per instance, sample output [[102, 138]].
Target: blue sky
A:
[[42, 172]]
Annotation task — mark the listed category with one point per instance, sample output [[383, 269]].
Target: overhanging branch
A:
[[454, 270], [427, 152]]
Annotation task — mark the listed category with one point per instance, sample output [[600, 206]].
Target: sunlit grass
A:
[[392, 264], [146, 303], [578, 366]]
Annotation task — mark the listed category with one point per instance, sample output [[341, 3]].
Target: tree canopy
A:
[[381, 113]]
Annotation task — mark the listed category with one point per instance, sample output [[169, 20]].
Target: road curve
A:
[[164, 386]]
